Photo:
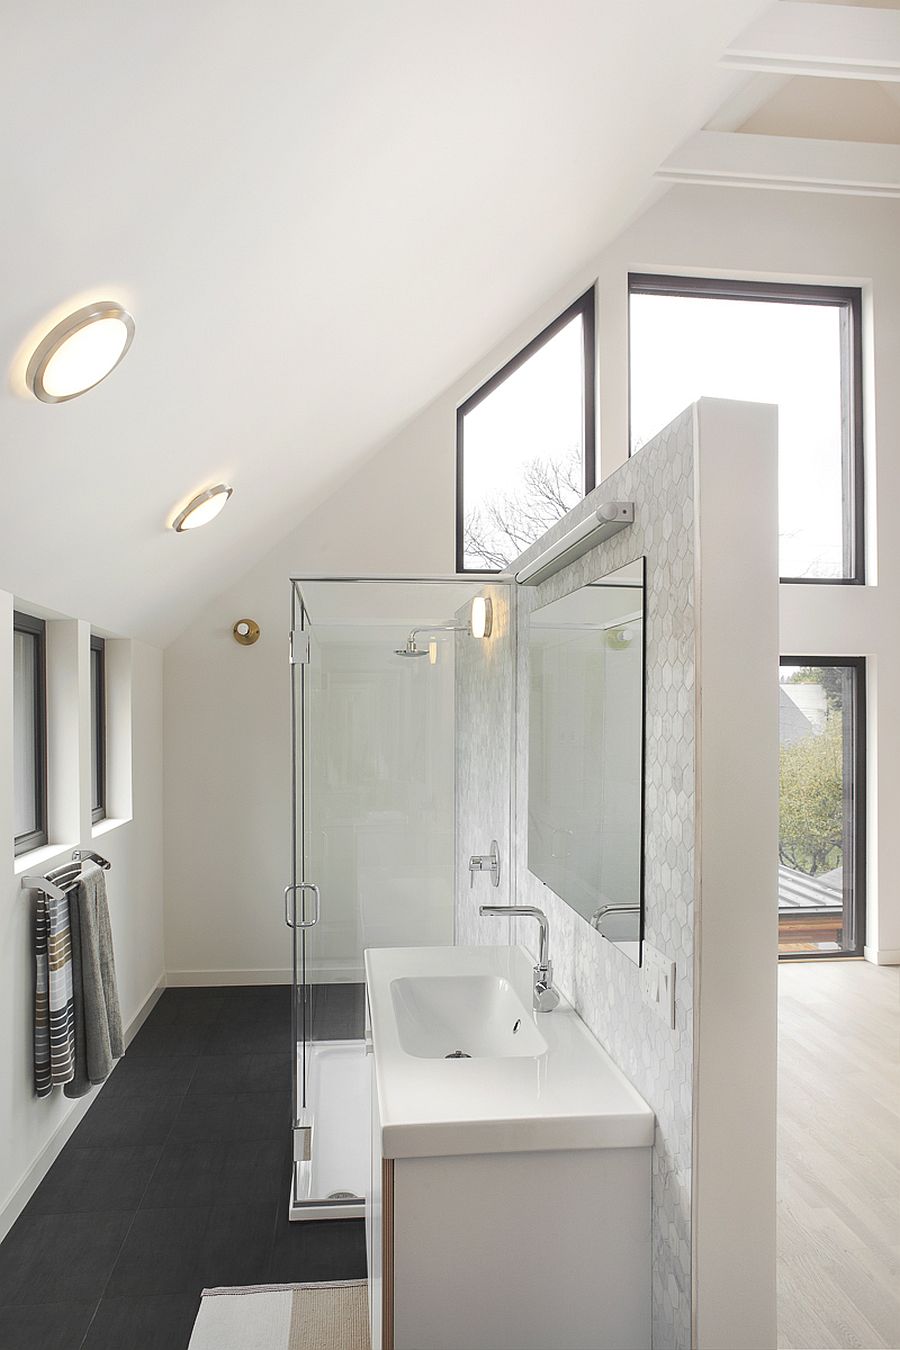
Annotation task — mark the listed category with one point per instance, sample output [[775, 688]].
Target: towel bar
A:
[[67, 876], [88, 855]]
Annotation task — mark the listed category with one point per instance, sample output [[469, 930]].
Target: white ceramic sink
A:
[[534, 1080], [480, 1016]]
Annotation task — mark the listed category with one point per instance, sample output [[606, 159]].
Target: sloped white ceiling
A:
[[319, 214], [844, 110]]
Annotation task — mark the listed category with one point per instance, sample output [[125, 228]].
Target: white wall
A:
[[736, 927], [228, 749], [805, 237], [380, 746], [227, 758], [34, 1130], [710, 854], [228, 745]]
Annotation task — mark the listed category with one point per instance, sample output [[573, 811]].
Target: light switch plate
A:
[[658, 982]]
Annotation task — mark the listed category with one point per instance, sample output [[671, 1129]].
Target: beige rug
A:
[[284, 1317]]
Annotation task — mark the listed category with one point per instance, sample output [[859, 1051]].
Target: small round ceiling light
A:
[[482, 617], [79, 352], [203, 508]]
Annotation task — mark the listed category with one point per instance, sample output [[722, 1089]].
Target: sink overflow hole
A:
[[516, 1025], [457, 1054]]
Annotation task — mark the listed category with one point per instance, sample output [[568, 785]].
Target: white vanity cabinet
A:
[[511, 1251], [509, 1202]]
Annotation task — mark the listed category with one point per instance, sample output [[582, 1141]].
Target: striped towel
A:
[[54, 1026]]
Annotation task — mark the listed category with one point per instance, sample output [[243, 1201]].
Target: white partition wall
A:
[[705, 501], [735, 892]]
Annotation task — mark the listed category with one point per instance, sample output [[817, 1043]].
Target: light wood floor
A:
[[839, 1156]]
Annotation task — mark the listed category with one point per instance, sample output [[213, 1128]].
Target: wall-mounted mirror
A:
[[586, 752]]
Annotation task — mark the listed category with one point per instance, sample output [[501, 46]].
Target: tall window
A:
[[29, 733], [821, 847], [525, 444], [98, 728], [795, 346]]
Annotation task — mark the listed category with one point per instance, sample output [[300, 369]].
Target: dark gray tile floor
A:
[[176, 1180]]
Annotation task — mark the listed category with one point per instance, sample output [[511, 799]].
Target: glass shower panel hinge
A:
[[299, 648]]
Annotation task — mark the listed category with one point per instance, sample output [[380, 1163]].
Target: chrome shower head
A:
[[411, 649]]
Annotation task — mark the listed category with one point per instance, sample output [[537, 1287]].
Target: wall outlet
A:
[[658, 982]]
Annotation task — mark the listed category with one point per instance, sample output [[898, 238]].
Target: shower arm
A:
[[437, 628]]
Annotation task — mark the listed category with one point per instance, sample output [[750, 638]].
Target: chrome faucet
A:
[[544, 996]]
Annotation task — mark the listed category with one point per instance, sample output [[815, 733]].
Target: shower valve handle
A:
[[486, 862]]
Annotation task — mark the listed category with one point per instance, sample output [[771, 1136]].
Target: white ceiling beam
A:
[[847, 41], [739, 159]]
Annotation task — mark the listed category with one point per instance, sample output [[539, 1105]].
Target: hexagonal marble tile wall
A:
[[601, 982]]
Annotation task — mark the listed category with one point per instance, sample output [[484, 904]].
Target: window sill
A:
[[108, 824], [40, 859]]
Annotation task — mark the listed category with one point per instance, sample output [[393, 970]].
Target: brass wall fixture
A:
[[246, 632]]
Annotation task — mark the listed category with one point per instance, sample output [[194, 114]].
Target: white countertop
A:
[[571, 1096]]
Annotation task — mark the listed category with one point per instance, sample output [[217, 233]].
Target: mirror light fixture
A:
[[79, 352], [601, 524], [482, 620], [203, 508]]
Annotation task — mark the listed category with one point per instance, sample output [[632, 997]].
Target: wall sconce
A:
[[246, 632], [482, 620]]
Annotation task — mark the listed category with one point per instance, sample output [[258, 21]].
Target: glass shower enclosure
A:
[[373, 839]]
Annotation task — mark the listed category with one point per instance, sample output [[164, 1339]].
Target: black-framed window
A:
[[98, 728], [29, 732], [822, 831], [525, 443], [793, 345]]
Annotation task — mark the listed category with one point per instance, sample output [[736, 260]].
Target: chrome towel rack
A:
[[88, 855], [66, 877]]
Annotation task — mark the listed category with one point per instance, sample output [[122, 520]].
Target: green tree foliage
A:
[[812, 814]]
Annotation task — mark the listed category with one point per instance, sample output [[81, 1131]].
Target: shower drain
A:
[[457, 1054], [342, 1195]]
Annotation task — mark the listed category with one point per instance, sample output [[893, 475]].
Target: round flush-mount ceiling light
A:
[[203, 508], [79, 352]]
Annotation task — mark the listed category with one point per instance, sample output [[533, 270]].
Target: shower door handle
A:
[[290, 905]]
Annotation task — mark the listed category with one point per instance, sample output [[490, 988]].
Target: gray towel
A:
[[98, 1021]]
